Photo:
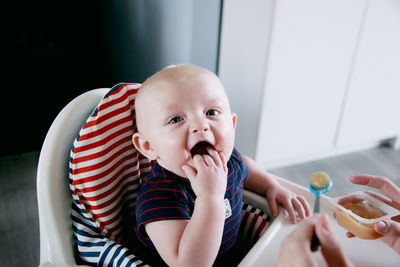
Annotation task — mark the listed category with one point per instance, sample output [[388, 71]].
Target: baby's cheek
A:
[[171, 149], [226, 141]]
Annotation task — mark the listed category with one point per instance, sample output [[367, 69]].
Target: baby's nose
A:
[[199, 126]]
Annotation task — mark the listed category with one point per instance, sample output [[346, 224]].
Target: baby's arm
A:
[[265, 184], [196, 242]]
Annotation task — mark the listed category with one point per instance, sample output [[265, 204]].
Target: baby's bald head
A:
[[175, 74], [171, 76]]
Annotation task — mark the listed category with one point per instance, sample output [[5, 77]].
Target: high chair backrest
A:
[[54, 198], [104, 177], [105, 167], [105, 172]]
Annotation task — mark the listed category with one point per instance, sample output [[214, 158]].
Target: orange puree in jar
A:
[[363, 210], [357, 228]]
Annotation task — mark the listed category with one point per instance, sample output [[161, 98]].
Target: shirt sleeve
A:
[[160, 201], [241, 164]]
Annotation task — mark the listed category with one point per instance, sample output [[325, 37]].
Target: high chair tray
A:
[[366, 253]]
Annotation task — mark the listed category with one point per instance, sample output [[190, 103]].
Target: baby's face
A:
[[181, 120]]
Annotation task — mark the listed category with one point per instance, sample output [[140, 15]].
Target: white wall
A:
[[310, 57], [372, 109], [243, 53]]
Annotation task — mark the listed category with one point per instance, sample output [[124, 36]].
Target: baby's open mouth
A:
[[200, 148]]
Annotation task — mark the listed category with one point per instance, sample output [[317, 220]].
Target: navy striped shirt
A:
[[166, 196]]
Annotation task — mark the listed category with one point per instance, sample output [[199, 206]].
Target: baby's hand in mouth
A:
[[208, 176], [218, 156]]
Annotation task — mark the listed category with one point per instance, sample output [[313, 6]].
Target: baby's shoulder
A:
[[236, 158], [161, 189], [159, 178]]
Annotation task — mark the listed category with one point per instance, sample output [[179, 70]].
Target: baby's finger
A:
[[299, 208], [273, 206], [208, 160], [224, 161], [199, 161], [289, 208], [215, 156], [189, 171], [305, 204]]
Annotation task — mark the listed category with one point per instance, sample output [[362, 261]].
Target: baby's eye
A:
[[175, 120], [212, 112]]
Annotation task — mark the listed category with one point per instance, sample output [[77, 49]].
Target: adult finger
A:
[[330, 245], [387, 228], [323, 229], [364, 179], [306, 229], [385, 185], [379, 197], [295, 248], [391, 233]]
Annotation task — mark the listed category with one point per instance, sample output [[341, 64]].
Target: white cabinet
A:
[[372, 109], [326, 68], [310, 55]]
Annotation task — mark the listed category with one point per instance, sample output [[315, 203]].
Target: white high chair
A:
[[54, 197], [53, 192]]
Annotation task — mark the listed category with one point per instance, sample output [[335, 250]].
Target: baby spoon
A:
[[320, 182]]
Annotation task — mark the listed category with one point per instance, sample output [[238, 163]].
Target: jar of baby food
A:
[[358, 211]]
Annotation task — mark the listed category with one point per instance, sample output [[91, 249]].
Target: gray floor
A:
[[19, 228], [19, 223]]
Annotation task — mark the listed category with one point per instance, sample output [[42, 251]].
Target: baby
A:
[[189, 206]]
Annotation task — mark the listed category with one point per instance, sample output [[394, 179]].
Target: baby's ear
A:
[[143, 146], [234, 120]]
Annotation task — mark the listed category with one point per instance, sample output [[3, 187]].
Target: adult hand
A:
[[390, 229], [295, 248]]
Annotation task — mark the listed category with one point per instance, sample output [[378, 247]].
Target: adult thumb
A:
[[387, 228]]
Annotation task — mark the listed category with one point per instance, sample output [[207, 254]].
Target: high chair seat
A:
[[104, 176]]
